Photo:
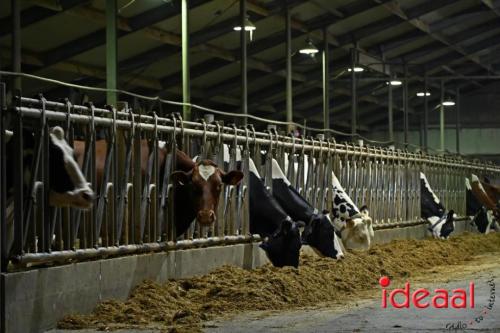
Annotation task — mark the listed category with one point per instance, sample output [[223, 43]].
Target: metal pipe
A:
[[3, 203], [457, 110], [16, 41], [390, 113], [441, 118], [308, 146], [405, 107], [243, 62], [354, 98], [186, 85], [431, 78], [289, 92], [111, 51], [326, 80], [426, 113], [89, 253], [409, 223]]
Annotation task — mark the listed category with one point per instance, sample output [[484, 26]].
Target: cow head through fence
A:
[[354, 225], [205, 181]]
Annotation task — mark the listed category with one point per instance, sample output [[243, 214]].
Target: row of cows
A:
[[282, 217]]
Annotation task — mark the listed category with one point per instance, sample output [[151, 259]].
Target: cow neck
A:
[[266, 214], [429, 203], [433, 226], [288, 197], [292, 202]]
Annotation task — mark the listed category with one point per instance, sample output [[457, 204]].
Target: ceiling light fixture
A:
[[395, 82], [249, 26], [356, 69], [309, 49], [448, 102], [422, 94]]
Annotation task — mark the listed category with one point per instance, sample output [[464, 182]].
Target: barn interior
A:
[[377, 119]]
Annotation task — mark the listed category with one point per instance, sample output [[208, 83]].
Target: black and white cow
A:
[[442, 223], [281, 234], [354, 225], [68, 187], [478, 204], [319, 232]]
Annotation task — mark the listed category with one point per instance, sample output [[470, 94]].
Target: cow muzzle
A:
[[78, 198], [205, 217]]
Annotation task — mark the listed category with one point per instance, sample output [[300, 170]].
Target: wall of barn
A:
[[473, 141], [479, 122]]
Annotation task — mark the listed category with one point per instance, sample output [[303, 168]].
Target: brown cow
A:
[[486, 194], [202, 181]]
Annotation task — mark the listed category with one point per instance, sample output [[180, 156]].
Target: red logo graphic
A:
[[423, 298]]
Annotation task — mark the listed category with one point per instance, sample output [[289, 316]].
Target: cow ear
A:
[[450, 216], [325, 212], [181, 177], [232, 177]]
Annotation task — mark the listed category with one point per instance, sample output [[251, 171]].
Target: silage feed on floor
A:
[[183, 305]]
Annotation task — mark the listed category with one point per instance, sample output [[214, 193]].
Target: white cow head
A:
[[354, 225]]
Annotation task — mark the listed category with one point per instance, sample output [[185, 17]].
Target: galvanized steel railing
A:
[[134, 214]]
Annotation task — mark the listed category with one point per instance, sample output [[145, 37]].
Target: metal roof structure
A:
[[65, 39]]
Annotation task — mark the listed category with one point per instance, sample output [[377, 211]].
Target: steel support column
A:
[[441, 118], [186, 89], [111, 51], [390, 111], [326, 82], [421, 132], [289, 92], [16, 42], [3, 256], [405, 106], [457, 110], [354, 98], [426, 113], [243, 62]]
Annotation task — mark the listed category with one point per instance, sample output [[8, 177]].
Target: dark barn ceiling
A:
[[65, 39]]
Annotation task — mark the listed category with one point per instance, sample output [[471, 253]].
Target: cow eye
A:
[[219, 188]]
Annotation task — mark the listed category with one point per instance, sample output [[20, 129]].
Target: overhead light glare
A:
[[249, 26], [422, 94], [395, 82], [449, 102], [356, 69], [309, 49]]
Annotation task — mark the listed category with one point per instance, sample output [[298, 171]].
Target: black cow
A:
[[442, 223], [319, 232], [282, 236]]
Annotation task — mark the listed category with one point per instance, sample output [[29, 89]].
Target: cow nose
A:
[[206, 216]]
